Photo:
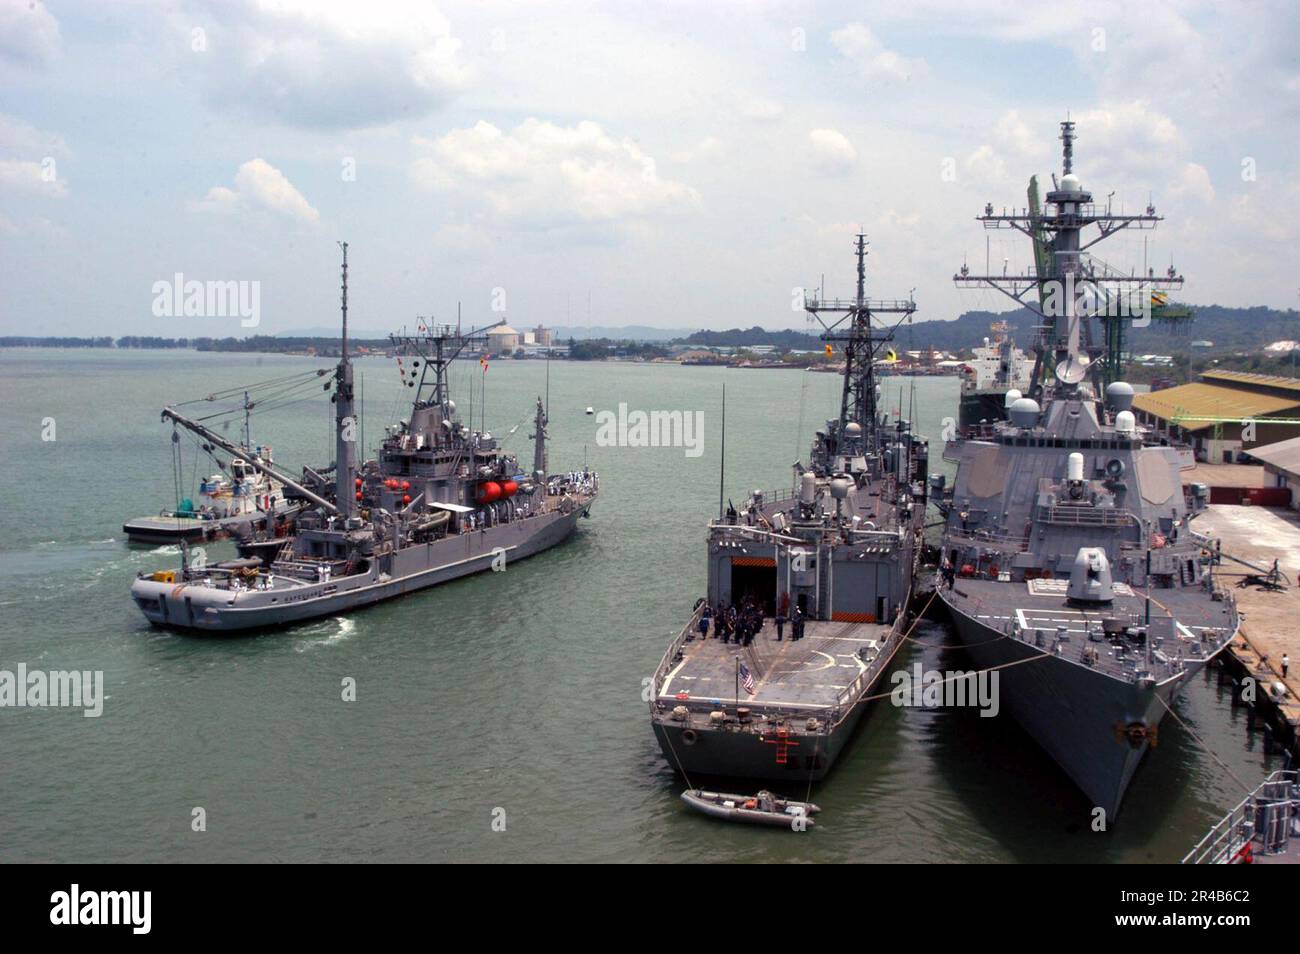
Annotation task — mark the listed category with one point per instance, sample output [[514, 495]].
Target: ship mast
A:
[[344, 416], [859, 342], [540, 421], [1069, 283], [439, 346]]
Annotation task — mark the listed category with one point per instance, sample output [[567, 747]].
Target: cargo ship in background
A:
[[993, 370]]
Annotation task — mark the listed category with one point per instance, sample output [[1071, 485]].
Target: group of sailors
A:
[[574, 482], [741, 624]]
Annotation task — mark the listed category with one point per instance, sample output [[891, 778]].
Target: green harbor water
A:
[[512, 696]]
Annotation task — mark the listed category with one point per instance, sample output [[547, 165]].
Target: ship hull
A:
[[977, 407], [208, 610], [1077, 715], [730, 754]]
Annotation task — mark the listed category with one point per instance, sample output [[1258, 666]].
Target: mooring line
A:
[[1222, 764]]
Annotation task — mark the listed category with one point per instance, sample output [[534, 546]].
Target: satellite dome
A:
[[1119, 395], [1125, 422], [1012, 397], [1024, 412], [852, 429], [1070, 183]]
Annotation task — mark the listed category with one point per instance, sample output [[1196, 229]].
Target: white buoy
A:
[[590, 410]]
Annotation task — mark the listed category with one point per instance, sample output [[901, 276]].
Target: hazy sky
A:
[[687, 164]]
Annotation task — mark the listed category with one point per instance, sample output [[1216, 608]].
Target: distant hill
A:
[[1231, 329], [332, 331], [622, 333]]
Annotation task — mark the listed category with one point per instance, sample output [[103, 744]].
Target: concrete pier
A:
[[1271, 619]]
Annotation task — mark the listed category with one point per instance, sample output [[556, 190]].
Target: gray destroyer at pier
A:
[[440, 502], [1069, 560], [836, 556]]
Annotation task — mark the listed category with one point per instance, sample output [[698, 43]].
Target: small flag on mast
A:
[[483, 362], [746, 679]]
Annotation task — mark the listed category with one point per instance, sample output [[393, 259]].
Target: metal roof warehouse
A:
[[1225, 413]]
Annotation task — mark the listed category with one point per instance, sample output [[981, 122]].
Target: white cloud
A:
[[548, 175], [23, 139], [333, 65], [1132, 126], [831, 150], [23, 177], [1193, 182], [857, 43], [1015, 136], [29, 34], [985, 168], [761, 110], [259, 185], [710, 147]]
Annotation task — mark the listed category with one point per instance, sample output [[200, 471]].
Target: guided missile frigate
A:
[[835, 556]]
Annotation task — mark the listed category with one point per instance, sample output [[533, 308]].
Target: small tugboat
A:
[[761, 809]]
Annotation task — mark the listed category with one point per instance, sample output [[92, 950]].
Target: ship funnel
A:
[[1090, 580], [1024, 412], [1012, 397], [1119, 395], [1125, 423], [1074, 467]]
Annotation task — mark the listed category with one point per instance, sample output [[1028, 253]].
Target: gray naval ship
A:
[[1069, 559], [837, 553], [440, 502]]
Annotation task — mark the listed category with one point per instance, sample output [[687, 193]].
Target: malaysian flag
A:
[[747, 679]]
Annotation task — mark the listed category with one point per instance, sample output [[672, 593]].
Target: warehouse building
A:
[[1281, 467], [1224, 414]]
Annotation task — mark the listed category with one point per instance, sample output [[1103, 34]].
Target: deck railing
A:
[[669, 660], [1264, 820]]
